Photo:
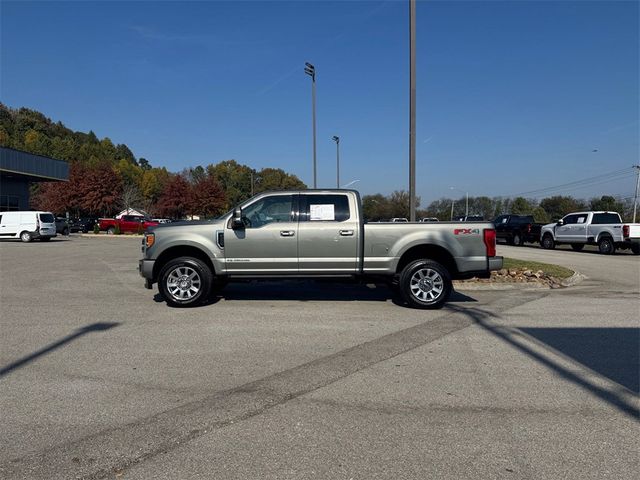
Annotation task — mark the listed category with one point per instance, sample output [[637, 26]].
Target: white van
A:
[[27, 226]]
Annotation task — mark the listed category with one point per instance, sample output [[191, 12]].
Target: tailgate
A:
[[634, 231]]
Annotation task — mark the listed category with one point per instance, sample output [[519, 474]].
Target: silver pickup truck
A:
[[604, 229], [312, 234]]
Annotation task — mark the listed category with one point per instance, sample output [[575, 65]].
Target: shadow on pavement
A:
[[609, 352], [312, 290], [94, 327]]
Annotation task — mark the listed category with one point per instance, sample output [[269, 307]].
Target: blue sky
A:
[[512, 96]]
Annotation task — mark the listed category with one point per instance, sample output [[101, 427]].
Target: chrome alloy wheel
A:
[[183, 283], [426, 285]]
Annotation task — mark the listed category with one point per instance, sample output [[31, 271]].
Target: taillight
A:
[[528, 228], [625, 231], [490, 241]]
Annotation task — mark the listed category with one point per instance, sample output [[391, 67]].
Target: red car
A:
[[127, 224]]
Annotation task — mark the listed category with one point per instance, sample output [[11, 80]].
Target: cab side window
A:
[[324, 208], [275, 209], [571, 219]]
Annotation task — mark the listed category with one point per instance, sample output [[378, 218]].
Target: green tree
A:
[[276, 179], [606, 203], [521, 206], [558, 206], [235, 180]]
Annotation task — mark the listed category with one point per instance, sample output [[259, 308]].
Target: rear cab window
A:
[[605, 218]]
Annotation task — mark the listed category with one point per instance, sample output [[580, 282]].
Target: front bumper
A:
[[145, 267]]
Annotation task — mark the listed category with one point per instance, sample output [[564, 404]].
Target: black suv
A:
[[82, 224]]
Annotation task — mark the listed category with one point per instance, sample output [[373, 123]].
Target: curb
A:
[[571, 281], [574, 279], [104, 235]]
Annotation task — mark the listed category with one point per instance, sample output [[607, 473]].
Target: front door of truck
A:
[[268, 243], [329, 234]]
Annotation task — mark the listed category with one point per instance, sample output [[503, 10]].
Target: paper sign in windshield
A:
[[322, 212]]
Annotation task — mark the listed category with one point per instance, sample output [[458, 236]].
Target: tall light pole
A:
[[412, 110], [466, 211], [311, 71], [337, 140], [635, 198]]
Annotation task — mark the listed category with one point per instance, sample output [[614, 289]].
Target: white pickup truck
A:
[[604, 229]]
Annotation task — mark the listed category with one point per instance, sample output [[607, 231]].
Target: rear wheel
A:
[[577, 247], [425, 284], [547, 242], [111, 231], [45, 239], [517, 240], [606, 246], [65, 231], [185, 282], [25, 237]]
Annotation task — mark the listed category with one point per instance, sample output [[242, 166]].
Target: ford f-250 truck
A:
[[604, 229], [312, 234]]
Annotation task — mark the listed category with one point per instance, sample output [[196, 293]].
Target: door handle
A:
[[346, 233], [287, 233]]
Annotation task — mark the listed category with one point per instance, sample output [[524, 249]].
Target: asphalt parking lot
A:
[[100, 379]]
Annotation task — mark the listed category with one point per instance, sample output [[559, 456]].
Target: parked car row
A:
[[604, 229]]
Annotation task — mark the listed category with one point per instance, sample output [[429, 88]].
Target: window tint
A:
[[570, 219], [46, 218], [317, 208], [604, 218], [275, 209]]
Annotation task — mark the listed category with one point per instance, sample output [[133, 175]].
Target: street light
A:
[[311, 71], [466, 212], [337, 140]]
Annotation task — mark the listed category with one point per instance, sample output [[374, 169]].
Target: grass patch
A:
[[549, 269]]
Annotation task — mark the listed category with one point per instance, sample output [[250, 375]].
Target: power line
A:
[[585, 182]]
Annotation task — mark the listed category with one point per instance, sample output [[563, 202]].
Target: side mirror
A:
[[560, 222], [236, 219]]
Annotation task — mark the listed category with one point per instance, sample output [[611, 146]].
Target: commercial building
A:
[[18, 169]]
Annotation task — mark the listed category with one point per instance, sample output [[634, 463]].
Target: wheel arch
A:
[[431, 252], [181, 251]]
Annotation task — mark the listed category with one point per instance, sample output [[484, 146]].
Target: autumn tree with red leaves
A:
[[207, 198], [176, 198]]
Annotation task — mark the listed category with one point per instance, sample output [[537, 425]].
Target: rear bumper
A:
[[495, 263]]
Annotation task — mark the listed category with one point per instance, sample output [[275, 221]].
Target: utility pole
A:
[[412, 110], [635, 198], [337, 140]]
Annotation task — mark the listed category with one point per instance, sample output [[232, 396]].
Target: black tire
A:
[[185, 282], [635, 248], [547, 242], [45, 239], [111, 231], [65, 232], [577, 247], [25, 237], [425, 284], [517, 240], [606, 246]]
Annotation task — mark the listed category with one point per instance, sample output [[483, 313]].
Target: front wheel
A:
[[425, 284], [185, 282], [547, 242], [111, 231], [606, 246]]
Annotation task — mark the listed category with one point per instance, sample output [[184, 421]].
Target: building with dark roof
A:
[[18, 169]]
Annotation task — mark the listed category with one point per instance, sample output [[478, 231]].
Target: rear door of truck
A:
[[328, 233]]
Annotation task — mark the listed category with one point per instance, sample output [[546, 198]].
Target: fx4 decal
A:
[[466, 231]]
